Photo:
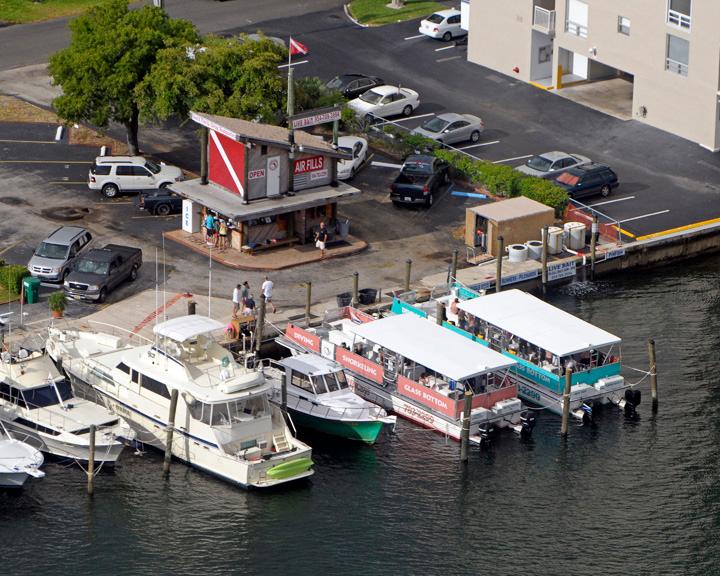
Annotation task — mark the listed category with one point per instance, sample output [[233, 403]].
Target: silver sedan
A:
[[451, 128]]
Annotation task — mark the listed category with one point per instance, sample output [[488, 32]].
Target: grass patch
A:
[[376, 13], [6, 297], [22, 11]]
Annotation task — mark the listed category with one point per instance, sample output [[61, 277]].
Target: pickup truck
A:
[[420, 178], [100, 270], [160, 202]]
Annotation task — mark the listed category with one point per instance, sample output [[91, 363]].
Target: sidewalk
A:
[[271, 259]]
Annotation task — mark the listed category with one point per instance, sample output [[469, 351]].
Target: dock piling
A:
[[191, 307], [356, 280], [566, 403], [465, 432], [91, 462], [283, 393], [544, 257], [653, 374], [308, 300], [260, 324], [169, 432], [408, 268], [453, 267], [439, 312], [498, 263], [593, 244]]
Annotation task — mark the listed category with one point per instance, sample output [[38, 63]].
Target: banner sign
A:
[[303, 337], [255, 174], [430, 398], [311, 164], [359, 365], [316, 117]]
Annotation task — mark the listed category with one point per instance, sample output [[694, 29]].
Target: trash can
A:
[[31, 288], [344, 299], [343, 228], [367, 296]]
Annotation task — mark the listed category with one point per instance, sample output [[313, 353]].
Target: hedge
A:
[[11, 277], [505, 181]]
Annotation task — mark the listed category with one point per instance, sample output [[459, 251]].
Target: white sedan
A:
[[356, 146], [384, 101]]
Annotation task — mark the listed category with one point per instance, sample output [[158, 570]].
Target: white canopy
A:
[[537, 322], [187, 327], [439, 349], [310, 364]]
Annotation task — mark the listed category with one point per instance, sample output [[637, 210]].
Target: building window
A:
[[678, 13], [577, 18], [677, 56], [624, 25]]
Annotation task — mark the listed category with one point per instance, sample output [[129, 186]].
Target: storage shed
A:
[[517, 220]]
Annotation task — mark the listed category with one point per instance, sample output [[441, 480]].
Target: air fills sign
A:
[[312, 164]]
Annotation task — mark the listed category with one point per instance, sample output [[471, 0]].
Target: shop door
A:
[[272, 180]]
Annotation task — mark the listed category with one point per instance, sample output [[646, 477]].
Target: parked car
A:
[[358, 148], [115, 174], [352, 85], [548, 164], [384, 101], [160, 202], [450, 128], [101, 270], [588, 180], [52, 259], [444, 24], [420, 178]]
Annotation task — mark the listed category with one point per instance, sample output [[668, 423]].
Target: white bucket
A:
[[534, 249], [517, 252], [555, 240], [575, 232]]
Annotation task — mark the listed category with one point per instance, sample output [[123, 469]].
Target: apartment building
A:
[[668, 49]]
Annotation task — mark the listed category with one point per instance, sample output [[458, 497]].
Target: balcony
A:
[[544, 20], [676, 67], [576, 29], [679, 19]]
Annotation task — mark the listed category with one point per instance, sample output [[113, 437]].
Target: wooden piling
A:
[[653, 374], [408, 268], [191, 305], [308, 300], [593, 246], [544, 257], [356, 281], [91, 462], [439, 312], [260, 324], [498, 263], [169, 431], [465, 432], [283, 392], [566, 403], [453, 267]]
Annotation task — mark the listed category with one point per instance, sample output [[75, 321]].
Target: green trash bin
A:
[[31, 287]]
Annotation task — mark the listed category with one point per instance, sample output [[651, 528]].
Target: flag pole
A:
[[290, 112]]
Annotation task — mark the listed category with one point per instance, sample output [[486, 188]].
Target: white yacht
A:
[[319, 397], [37, 402], [224, 423], [18, 461]]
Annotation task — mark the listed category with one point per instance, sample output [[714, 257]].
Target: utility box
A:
[[190, 216], [517, 220], [31, 289]]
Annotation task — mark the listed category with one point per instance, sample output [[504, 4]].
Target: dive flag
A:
[[297, 48]]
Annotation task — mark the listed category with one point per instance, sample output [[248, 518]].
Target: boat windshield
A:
[[225, 413], [330, 382], [46, 395]]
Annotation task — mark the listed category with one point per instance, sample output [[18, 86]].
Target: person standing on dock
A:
[[267, 290], [244, 293], [236, 300], [321, 238]]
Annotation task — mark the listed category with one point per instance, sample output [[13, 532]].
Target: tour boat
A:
[[224, 423], [544, 341], [38, 403], [319, 397], [419, 371], [18, 461]]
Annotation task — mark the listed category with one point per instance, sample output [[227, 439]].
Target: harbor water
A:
[[625, 496]]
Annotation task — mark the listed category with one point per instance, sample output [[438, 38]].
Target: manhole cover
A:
[[14, 201], [65, 213]]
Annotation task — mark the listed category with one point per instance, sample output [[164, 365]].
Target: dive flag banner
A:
[[297, 48]]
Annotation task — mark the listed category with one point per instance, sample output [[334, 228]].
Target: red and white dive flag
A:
[[297, 48]]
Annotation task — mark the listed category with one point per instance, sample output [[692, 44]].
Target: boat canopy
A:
[[537, 322], [187, 327], [310, 364], [436, 348]]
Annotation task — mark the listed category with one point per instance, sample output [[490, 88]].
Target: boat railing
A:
[[119, 331], [335, 411]]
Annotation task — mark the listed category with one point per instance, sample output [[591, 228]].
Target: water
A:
[[629, 496]]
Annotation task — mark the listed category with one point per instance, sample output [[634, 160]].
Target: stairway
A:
[[280, 442]]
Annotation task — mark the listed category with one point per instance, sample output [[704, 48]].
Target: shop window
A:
[[263, 150]]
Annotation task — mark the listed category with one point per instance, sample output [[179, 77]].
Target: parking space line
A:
[[293, 64], [611, 201], [155, 217], [8, 247], [511, 159], [644, 216], [114, 203], [386, 165], [67, 182], [29, 141], [477, 145], [446, 59], [412, 117], [445, 48], [45, 161], [413, 37]]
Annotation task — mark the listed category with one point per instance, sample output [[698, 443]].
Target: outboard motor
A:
[[527, 420], [486, 433], [588, 415], [632, 401]]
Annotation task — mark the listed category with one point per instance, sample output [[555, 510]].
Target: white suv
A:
[[114, 174]]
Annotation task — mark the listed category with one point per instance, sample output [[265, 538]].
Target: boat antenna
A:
[[209, 279], [164, 279], [156, 293]]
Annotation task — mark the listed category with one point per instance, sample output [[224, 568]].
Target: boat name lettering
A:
[[303, 337], [534, 374], [529, 393], [417, 413], [424, 395]]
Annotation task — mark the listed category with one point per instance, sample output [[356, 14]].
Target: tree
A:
[[111, 51], [236, 77]]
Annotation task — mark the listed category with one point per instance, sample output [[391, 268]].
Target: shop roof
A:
[[436, 348], [246, 131], [537, 322], [510, 209], [231, 205]]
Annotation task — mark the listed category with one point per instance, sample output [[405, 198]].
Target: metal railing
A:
[[579, 30], [605, 222], [679, 19], [676, 67], [544, 20]]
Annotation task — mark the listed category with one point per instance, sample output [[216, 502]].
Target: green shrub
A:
[[11, 276], [546, 192], [57, 301]]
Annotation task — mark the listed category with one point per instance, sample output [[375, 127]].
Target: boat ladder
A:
[[280, 442]]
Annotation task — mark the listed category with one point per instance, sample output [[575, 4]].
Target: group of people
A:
[[244, 302], [216, 231]]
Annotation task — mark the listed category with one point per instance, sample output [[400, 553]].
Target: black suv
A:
[[588, 180]]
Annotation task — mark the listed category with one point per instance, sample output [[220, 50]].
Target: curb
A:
[[347, 13]]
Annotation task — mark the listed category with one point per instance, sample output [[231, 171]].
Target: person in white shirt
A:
[[267, 290], [236, 300]]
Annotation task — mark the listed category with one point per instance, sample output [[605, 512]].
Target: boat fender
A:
[[637, 397]]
